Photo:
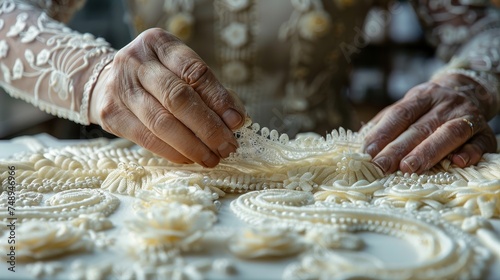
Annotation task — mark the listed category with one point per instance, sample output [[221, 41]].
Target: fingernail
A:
[[464, 158], [372, 149], [210, 160], [225, 149], [384, 163], [232, 118], [412, 163]]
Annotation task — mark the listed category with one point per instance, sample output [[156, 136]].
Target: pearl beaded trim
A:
[[314, 192]]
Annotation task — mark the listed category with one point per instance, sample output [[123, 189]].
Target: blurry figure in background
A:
[[285, 60]]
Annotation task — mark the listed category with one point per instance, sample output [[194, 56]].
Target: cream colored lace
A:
[[44, 62], [469, 37], [307, 197]]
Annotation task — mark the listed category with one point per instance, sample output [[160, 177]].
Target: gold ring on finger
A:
[[470, 124]]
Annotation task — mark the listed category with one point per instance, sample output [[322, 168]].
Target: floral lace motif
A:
[[45, 63], [313, 192], [469, 37], [309, 195]]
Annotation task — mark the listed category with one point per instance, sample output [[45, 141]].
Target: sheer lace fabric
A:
[[468, 35], [44, 62], [307, 197]]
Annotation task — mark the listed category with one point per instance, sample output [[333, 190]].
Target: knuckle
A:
[[433, 86], [123, 53], [397, 150], [151, 77], [133, 93], [157, 35], [456, 129], [194, 71], [460, 99], [220, 97], [426, 128], [401, 150], [161, 121], [486, 142], [107, 113], [377, 139], [146, 139], [416, 91], [211, 132], [401, 112], [152, 33], [178, 97], [381, 137], [424, 89], [428, 156], [129, 55], [147, 44]]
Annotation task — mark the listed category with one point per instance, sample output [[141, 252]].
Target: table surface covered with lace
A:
[[278, 209]]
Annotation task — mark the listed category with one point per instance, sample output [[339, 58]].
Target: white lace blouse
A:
[[286, 59]]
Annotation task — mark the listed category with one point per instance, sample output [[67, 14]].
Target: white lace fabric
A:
[[44, 62], [139, 216], [308, 196], [467, 34]]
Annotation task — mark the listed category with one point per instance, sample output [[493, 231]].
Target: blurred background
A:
[[397, 59]]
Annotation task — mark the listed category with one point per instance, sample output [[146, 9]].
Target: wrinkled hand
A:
[[434, 120], [158, 93]]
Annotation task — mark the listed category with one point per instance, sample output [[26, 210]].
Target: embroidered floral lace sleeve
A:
[[46, 63], [468, 34]]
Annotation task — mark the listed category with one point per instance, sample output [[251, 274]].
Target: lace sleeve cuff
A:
[[466, 33], [47, 64], [488, 81], [89, 86]]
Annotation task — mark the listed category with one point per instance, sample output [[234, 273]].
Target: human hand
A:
[[158, 93], [434, 120]]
